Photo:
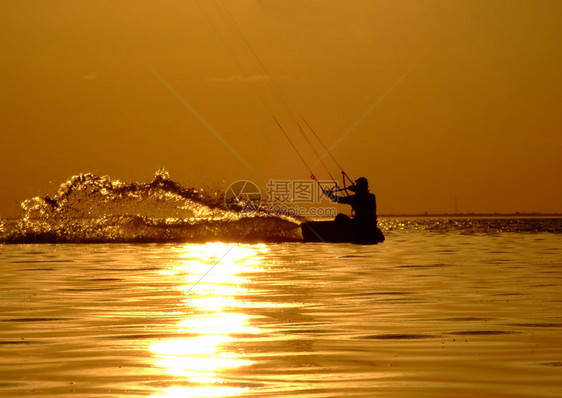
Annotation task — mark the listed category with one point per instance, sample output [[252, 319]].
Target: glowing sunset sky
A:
[[477, 118]]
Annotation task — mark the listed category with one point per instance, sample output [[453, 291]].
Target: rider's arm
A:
[[340, 199]]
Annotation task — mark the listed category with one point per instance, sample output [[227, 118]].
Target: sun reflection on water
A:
[[200, 360]]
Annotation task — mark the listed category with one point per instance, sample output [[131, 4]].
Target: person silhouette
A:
[[363, 226]]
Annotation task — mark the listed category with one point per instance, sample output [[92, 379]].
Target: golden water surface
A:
[[421, 315]]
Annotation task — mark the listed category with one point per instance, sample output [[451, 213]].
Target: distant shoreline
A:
[[461, 215], [429, 215]]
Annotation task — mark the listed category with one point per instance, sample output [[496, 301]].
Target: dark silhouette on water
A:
[[361, 228]]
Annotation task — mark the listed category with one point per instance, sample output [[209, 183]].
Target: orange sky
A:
[[477, 118]]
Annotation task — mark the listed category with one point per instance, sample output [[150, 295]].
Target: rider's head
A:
[[361, 185]]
